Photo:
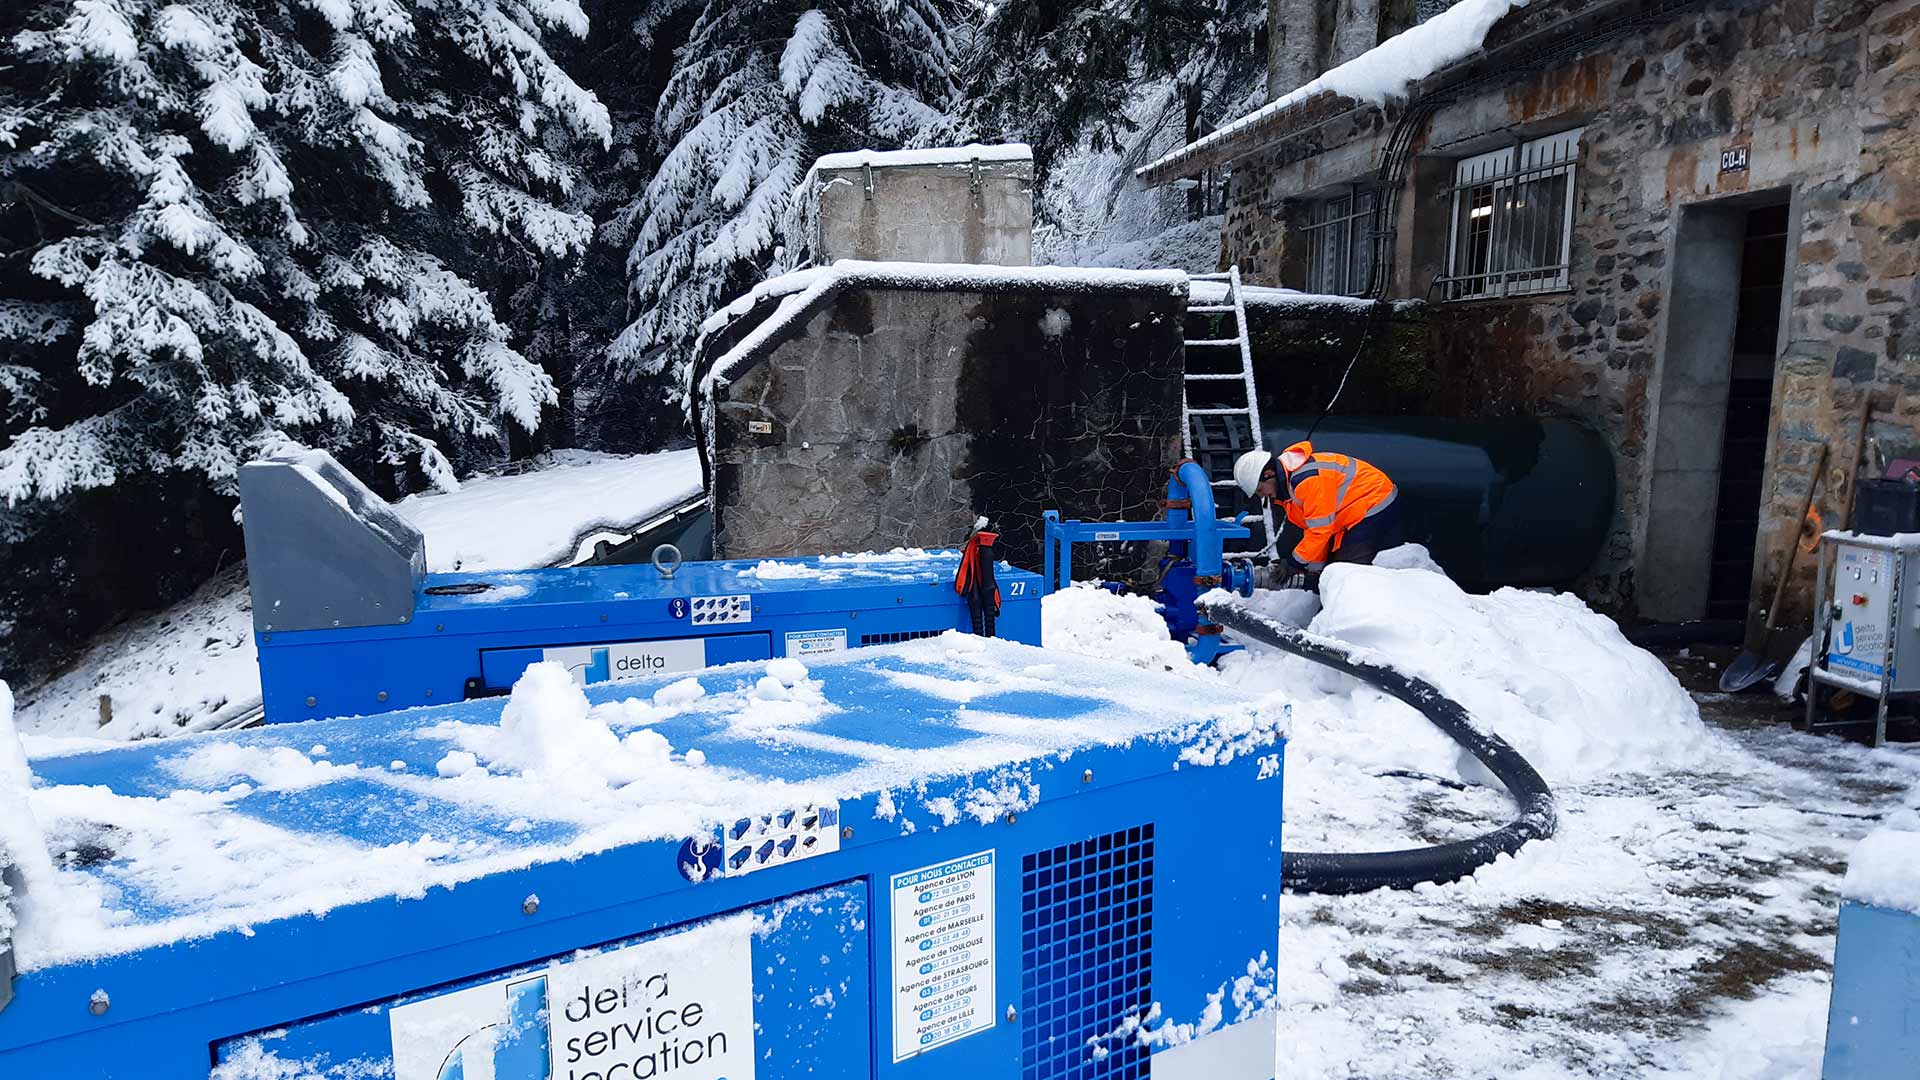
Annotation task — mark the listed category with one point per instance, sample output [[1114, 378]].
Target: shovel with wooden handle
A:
[[1751, 666]]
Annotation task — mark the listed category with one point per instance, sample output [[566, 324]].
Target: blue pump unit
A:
[[348, 621], [1873, 1022], [1195, 562], [999, 861]]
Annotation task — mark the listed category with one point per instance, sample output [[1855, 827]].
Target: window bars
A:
[[1512, 219], [1340, 243]]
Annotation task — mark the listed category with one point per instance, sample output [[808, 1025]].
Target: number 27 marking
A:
[[1017, 588]]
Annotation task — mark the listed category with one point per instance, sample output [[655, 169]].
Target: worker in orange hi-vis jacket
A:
[[1347, 510]]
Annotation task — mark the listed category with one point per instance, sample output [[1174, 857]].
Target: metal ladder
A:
[[1216, 435]]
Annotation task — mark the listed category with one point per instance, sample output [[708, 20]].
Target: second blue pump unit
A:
[[1195, 562]]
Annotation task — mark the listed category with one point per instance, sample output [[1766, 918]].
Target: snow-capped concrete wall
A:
[[893, 416], [969, 204]]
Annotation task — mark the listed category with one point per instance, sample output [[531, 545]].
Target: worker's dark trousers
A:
[[1372, 536]]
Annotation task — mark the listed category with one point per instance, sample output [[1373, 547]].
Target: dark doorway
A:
[[1743, 447]]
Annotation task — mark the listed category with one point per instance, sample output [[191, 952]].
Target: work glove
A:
[[1302, 576], [1291, 574]]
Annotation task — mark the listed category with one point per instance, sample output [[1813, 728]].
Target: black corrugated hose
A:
[[1333, 872]]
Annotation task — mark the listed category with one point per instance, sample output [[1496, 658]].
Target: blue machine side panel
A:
[[615, 661], [458, 643], [799, 1003], [1873, 1025], [1091, 926]]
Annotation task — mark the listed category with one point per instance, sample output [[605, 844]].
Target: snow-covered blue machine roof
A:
[[331, 882]]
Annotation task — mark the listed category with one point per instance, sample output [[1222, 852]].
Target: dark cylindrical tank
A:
[[1497, 502]]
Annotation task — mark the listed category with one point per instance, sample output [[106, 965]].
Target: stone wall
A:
[[894, 416], [1825, 93]]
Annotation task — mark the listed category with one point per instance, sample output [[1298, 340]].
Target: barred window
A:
[[1340, 243], [1512, 221]]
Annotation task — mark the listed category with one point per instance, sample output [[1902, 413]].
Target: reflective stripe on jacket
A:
[[1330, 494]]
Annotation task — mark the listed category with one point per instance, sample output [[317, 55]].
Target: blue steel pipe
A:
[[1190, 484]]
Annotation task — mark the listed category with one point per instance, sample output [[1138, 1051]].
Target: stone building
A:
[[1694, 226]]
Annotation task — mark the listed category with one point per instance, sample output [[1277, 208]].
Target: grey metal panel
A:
[[323, 550]]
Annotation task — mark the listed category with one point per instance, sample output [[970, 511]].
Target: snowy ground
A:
[[1679, 924], [193, 665]]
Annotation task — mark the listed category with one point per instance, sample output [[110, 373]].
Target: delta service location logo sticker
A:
[[680, 1006]]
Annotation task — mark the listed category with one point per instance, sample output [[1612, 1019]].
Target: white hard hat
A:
[[1248, 467]]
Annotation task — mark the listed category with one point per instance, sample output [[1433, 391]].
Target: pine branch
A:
[[21, 190]]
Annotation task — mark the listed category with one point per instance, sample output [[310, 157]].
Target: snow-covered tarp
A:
[[1885, 871], [207, 833], [195, 662], [1382, 72]]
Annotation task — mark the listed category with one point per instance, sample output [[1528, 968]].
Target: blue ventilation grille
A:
[[900, 635], [1086, 939]]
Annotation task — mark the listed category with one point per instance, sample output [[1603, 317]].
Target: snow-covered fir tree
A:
[[758, 91], [1111, 86], [229, 224], [1114, 76]]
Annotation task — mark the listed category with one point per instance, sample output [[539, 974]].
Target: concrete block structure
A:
[[1694, 226], [963, 204], [866, 406]]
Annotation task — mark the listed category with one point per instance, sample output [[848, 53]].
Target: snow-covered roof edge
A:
[[1385, 71], [1884, 871], [801, 290], [1263, 296], [932, 155]]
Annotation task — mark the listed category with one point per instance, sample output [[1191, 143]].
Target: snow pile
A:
[[1092, 621], [1544, 672], [270, 768], [896, 555], [549, 732], [552, 738], [1408, 557], [28, 887], [1382, 72], [774, 570], [1547, 674], [832, 568], [1885, 871]]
